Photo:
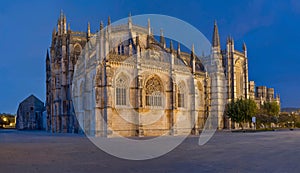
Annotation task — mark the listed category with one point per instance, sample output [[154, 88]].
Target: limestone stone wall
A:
[[91, 104]]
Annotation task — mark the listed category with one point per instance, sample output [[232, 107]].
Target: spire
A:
[[53, 32], [101, 25], [149, 27], [193, 60], [162, 38], [129, 21], [48, 67], [216, 38], [149, 34], [58, 27], [193, 51], [178, 49], [88, 33], [61, 14], [88, 30], [64, 24], [47, 62], [244, 47], [47, 56], [171, 46], [230, 44], [228, 40], [108, 21], [137, 41], [129, 18], [69, 27]]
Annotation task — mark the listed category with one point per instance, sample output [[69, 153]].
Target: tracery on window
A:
[[154, 92], [180, 95], [121, 90]]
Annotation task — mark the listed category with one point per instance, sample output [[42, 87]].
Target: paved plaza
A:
[[34, 151]]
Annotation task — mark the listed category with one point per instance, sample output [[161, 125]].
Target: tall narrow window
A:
[[180, 95], [154, 93], [121, 91], [119, 50], [77, 52], [180, 100], [122, 49], [242, 83]]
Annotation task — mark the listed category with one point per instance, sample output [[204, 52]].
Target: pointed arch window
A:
[[180, 95], [121, 91], [77, 53], [119, 50], [154, 93], [122, 49]]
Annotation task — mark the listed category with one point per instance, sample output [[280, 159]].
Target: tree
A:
[[271, 108], [241, 110], [262, 119], [285, 118], [270, 111]]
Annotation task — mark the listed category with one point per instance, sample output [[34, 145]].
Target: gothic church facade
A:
[[139, 87]]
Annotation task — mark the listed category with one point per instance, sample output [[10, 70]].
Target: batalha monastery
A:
[[124, 81]]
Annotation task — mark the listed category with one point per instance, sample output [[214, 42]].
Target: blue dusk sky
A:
[[270, 28]]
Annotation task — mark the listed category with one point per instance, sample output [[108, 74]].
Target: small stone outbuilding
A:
[[30, 114]]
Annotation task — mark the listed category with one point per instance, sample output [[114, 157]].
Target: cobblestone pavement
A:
[[35, 151]]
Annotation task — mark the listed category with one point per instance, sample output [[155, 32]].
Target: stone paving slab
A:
[[35, 151]]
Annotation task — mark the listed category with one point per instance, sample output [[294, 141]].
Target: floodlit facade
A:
[[129, 83]]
